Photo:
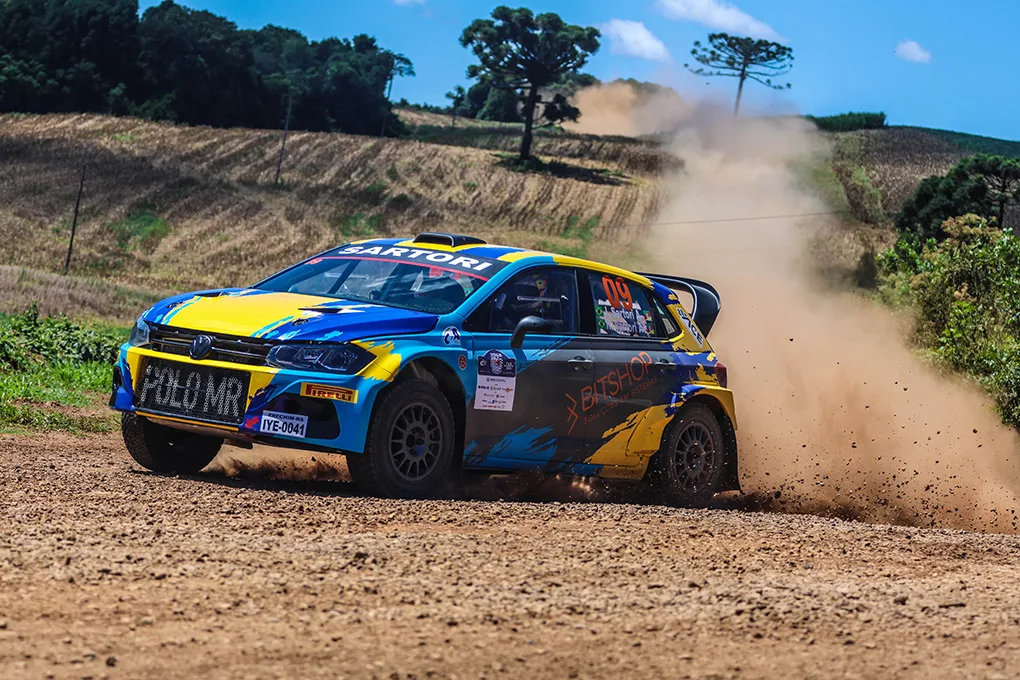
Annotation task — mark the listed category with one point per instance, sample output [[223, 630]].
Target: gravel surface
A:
[[107, 571]]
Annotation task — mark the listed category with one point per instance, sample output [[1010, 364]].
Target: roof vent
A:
[[452, 240]]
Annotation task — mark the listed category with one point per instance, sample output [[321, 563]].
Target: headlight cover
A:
[[342, 359], [139, 334]]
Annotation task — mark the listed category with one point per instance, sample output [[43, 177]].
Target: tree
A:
[[174, 63], [1002, 175], [24, 86], [743, 58], [525, 53], [982, 185], [456, 97], [70, 53]]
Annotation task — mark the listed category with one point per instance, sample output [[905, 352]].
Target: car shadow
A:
[[521, 487]]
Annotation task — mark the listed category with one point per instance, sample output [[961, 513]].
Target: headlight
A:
[[347, 359], [139, 334]]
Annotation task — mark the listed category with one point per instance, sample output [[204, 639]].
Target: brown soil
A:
[[108, 571]]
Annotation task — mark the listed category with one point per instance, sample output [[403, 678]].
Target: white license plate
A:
[[286, 424]]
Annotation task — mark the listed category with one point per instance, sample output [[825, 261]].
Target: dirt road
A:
[[106, 571]]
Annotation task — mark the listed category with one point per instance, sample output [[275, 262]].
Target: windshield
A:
[[422, 287]]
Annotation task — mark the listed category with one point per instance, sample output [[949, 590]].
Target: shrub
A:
[[967, 295], [848, 122], [982, 185], [374, 194], [400, 202], [12, 354], [55, 340]]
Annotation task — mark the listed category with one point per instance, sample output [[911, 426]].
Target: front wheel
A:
[[688, 469], [410, 443], [162, 449]]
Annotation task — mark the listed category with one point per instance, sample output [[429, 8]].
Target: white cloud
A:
[[633, 38], [409, 2], [909, 50], [719, 15]]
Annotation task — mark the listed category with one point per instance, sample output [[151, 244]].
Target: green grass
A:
[[24, 418], [575, 231], [55, 374], [141, 229], [356, 225], [820, 179], [65, 384], [126, 137], [567, 249]]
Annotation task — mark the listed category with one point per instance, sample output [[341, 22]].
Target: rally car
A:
[[416, 358]]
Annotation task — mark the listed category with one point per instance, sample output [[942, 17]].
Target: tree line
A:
[[190, 66]]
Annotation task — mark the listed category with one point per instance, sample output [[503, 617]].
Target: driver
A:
[[531, 295]]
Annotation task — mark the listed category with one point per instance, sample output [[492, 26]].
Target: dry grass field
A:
[[897, 159], [170, 207], [173, 207], [79, 297]]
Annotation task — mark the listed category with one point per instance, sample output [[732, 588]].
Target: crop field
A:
[[897, 159], [177, 207]]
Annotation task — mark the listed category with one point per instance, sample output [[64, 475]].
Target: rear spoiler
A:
[[707, 303]]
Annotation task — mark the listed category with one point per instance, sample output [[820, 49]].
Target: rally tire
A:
[[689, 468], [162, 449], [410, 443]]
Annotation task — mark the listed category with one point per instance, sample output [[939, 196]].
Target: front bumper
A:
[[337, 407]]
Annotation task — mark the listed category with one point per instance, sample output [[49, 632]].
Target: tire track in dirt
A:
[[171, 577]]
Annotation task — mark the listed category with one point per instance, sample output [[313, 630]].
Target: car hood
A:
[[286, 316]]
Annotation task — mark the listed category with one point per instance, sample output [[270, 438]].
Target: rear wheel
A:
[[162, 449], [410, 443], [688, 469]]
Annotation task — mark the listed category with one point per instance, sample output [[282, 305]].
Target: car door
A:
[[523, 415], [628, 406]]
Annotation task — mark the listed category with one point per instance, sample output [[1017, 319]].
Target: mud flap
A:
[[118, 382], [731, 476]]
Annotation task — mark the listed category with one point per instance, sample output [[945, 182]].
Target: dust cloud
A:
[[837, 415], [265, 463], [617, 108]]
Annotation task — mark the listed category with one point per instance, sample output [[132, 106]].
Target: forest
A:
[[189, 66]]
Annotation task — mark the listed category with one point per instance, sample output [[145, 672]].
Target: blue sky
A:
[[924, 62]]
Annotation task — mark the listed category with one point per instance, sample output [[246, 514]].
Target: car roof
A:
[[519, 256]]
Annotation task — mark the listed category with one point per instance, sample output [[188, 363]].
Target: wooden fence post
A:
[[74, 222], [283, 144]]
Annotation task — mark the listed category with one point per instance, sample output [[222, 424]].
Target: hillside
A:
[[170, 206]]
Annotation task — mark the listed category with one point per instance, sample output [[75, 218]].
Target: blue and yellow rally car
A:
[[414, 358]]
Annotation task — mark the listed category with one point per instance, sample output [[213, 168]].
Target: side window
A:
[[665, 318], [550, 293], [622, 307]]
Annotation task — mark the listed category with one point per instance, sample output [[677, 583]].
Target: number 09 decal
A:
[[618, 293]]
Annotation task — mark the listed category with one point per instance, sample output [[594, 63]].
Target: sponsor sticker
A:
[[451, 337], [327, 392], [286, 424], [689, 325], [449, 261], [497, 382]]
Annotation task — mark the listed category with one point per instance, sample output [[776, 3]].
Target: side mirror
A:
[[529, 324]]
